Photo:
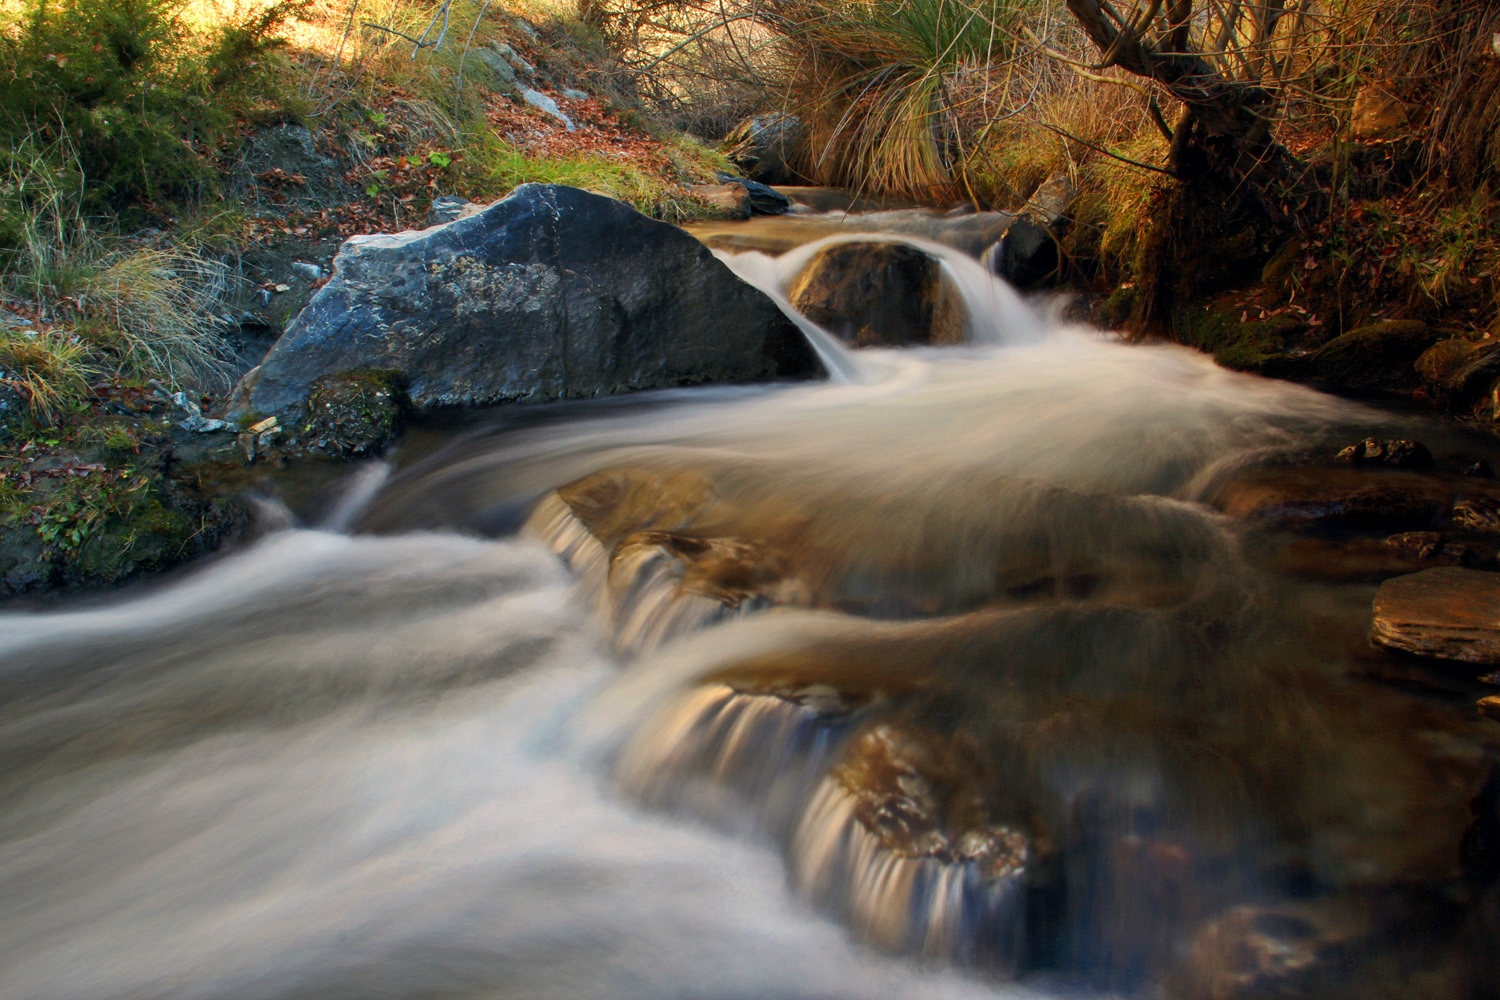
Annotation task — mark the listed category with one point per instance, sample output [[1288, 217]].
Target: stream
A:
[[942, 678]]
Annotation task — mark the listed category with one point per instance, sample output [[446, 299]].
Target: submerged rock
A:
[[1478, 514], [1316, 499], [1447, 612], [1398, 454], [550, 293], [880, 294]]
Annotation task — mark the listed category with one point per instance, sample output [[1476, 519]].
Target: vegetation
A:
[[163, 163]]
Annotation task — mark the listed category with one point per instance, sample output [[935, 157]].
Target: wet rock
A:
[[731, 199], [550, 293], [764, 147], [355, 412], [1480, 470], [1398, 454], [1478, 514], [1262, 951], [1372, 559], [1381, 356], [1026, 254], [880, 295], [764, 200], [1319, 499], [1489, 707], [1448, 613]]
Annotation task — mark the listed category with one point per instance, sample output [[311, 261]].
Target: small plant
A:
[[49, 370]]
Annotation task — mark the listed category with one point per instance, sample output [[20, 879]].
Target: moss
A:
[[1252, 345], [106, 528], [354, 412]]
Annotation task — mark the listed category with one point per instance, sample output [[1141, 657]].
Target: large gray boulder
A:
[[550, 293]]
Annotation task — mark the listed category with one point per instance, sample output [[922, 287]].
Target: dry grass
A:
[[49, 369]]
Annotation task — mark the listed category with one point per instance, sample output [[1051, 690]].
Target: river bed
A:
[[421, 741]]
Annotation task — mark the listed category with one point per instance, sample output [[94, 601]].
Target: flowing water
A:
[[937, 679]]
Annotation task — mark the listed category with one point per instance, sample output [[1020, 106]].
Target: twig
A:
[[458, 88], [1100, 149]]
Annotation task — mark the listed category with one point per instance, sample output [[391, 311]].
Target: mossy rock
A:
[[144, 531], [1380, 356], [354, 412], [1252, 345]]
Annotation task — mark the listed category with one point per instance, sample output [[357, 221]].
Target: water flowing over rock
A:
[[549, 293], [1447, 612], [668, 548], [880, 294]]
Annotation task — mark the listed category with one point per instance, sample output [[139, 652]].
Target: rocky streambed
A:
[[930, 648]]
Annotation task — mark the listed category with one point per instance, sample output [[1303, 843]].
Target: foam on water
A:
[[390, 804]]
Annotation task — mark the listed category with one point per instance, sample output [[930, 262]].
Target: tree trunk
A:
[[1233, 183]]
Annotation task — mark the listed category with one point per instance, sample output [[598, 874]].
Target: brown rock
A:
[[1398, 454], [731, 199], [1372, 559], [1489, 707], [1481, 514], [880, 295], [1448, 612], [1313, 499], [1378, 114]]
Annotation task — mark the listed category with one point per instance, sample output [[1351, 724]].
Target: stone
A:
[[1479, 514], [731, 199], [1317, 499], [570, 94], [306, 269], [514, 58], [764, 200], [1398, 454], [1448, 613], [765, 146], [8, 318], [353, 413], [880, 294], [283, 165], [1027, 254], [450, 208], [539, 100], [1380, 356], [547, 294], [503, 73], [1480, 470], [1378, 113], [1489, 707]]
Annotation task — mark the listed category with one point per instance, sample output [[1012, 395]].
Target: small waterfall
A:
[[965, 907], [858, 821], [996, 313], [767, 274], [360, 487], [637, 590], [737, 757]]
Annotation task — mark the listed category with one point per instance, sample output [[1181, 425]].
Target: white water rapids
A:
[[379, 765]]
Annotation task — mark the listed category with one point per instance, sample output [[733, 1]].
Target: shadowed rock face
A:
[[550, 293]]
